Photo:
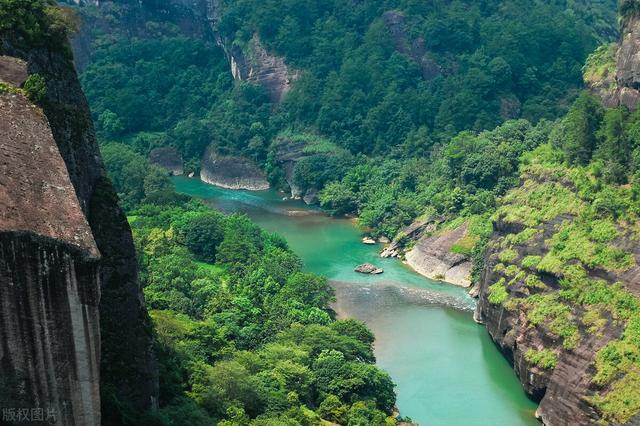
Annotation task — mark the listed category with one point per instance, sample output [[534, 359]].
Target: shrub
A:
[[35, 88], [530, 262], [498, 293], [544, 358], [507, 255]]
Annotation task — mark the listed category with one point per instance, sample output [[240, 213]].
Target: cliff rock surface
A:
[[168, 158], [432, 256], [49, 275], [552, 307]]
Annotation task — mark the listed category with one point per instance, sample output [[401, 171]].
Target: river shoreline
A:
[[425, 334]]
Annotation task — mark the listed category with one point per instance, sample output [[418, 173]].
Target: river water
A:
[[446, 368]]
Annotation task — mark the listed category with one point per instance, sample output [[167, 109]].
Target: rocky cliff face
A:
[[433, 256], [256, 65], [66, 257], [49, 275], [550, 332], [617, 81], [232, 172], [168, 158]]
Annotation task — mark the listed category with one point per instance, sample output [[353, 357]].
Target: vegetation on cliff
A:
[[571, 227]]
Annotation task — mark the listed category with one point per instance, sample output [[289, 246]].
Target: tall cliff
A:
[[72, 307], [559, 296]]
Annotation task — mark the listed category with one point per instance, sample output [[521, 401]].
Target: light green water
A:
[[447, 369]]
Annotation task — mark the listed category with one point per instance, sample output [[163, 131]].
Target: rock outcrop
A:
[[168, 158], [432, 257], [232, 172], [66, 257], [287, 153], [429, 252], [255, 64]]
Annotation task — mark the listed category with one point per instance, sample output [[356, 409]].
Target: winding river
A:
[[447, 370]]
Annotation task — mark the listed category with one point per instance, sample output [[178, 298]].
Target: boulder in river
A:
[[368, 240], [367, 268]]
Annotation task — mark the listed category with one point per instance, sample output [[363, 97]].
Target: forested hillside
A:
[[390, 78]]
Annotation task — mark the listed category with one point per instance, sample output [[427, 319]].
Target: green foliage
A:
[[544, 358], [35, 88], [576, 135], [248, 339], [600, 64], [36, 23], [622, 402], [135, 179], [507, 255], [531, 262], [498, 293]]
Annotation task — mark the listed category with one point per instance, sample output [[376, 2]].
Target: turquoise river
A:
[[447, 370]]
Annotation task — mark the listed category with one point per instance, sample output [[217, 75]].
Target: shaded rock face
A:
[[628, 57], [431, 256], [232, 172], [563, 391], [168, 158], [287, 154], [94, 223], [414, 49], [13, 71]]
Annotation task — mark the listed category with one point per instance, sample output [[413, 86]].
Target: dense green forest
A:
[[486, 62], [243, 335]]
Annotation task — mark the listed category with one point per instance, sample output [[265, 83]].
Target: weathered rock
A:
[[622, 87], [410, 233], [168, 158], [368, 268], [311, 196], [431, 256], [232, 172], [49, 275], [383, 240], [368, 240], [287, 153]]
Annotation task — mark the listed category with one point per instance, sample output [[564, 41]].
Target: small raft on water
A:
[[367, 268]]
